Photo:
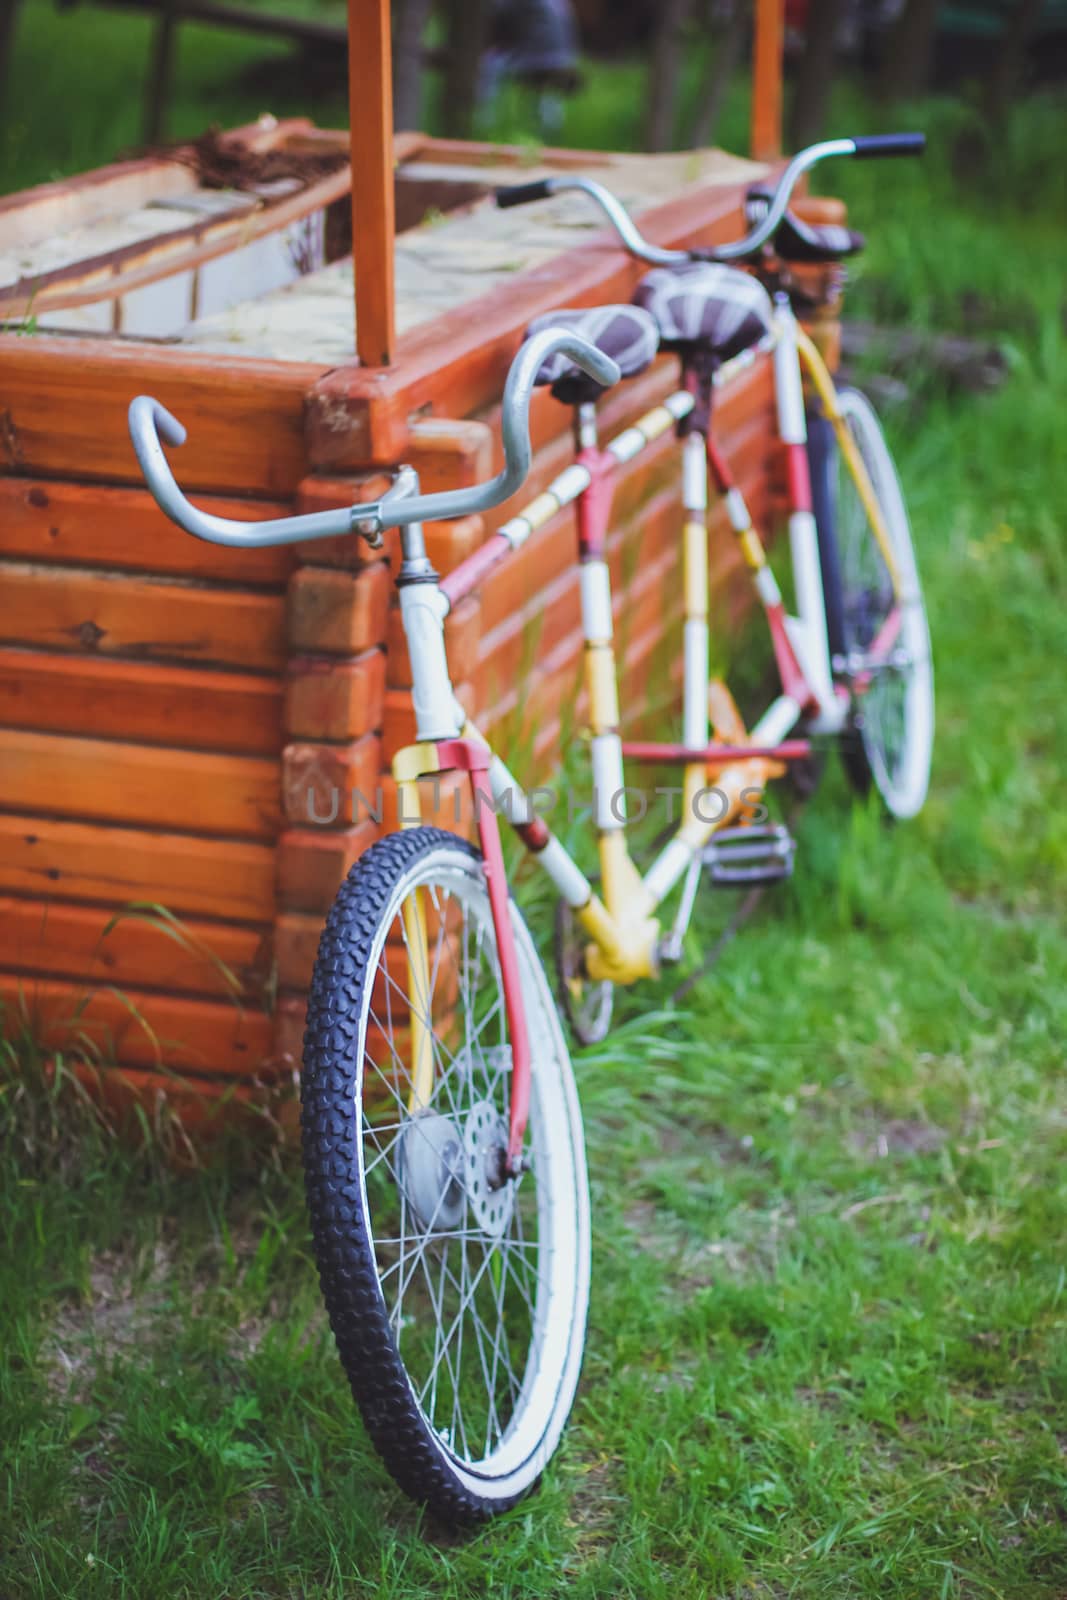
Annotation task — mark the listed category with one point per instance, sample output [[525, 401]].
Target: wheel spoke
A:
[[893, 704], [467, 1270]]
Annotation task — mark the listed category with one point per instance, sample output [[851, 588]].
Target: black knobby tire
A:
[[337, 1058], [822, 456]]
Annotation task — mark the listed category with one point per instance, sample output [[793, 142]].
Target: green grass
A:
[[827, 1352]]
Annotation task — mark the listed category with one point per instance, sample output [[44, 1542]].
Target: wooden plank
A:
[[53, 208], [521, 582], [290, 1019], [322, 784], [749, 392], [445, 802], [455, 364], [474, 152], [296, 938], [447, 543], [206, 1107], [90, 525], [463, 629], [398, 716], [521, 712], [313, 863], [765, 130], [141, 702], [289, 1022], [552, 434], [449, 453], [370, 109], [134, 266], [159, 788], [321, 492], [550, 614], [190, 876], [105, 613], [331, 698], [296, 942], [217, 959], [139, 1026], [64, 403], [338, 612]]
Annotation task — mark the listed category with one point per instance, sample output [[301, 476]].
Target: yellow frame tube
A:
[[410, 764], [827, 392]]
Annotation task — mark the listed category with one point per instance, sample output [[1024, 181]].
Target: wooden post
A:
[[766, 124], [370, 111]]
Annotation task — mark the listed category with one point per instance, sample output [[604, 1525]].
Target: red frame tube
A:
[[593, 505], [790, 672], [881, 644], [470, 573], [470, 756], [799, 476], [790, 750]]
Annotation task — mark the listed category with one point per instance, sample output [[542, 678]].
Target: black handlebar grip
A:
[[890, 144], [519, 194]]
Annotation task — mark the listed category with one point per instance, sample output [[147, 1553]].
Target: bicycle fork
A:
[[447, 743]]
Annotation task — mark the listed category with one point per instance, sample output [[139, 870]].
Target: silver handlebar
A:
[[641, 247], [150, 423]]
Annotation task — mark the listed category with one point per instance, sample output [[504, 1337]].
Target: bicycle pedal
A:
[[759, 854]]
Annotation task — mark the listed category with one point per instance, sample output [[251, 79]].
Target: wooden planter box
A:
[[169, 710]]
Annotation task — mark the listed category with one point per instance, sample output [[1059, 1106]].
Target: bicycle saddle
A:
[[702, 307], [803, 241], [625, 333]]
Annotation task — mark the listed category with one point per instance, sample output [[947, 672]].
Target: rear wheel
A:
[[457, 1294], [588, 1003], [889, 741]]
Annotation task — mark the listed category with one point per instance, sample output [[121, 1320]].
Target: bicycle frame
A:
[[622, 926]]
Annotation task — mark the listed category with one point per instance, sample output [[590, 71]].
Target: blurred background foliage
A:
[[81, 82]]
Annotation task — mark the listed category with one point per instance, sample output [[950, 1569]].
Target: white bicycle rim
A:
[[515, 1458], [905, 698]]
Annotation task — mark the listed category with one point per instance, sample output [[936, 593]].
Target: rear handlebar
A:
[[151, 423], [886, 144]]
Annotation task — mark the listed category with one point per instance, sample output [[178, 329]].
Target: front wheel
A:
[[457, 1294], [889, 742]]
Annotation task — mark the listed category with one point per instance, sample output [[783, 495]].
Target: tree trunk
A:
[[467, 23], [726, 54], [1007, 73], [409, 27], [816, 75], [665, 70], [8, 18], [909, 52]]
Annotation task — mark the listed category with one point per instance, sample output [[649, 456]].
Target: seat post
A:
[[695, 572], [698, 379], [585, 428]]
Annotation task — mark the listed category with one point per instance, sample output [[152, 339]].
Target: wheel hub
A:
[[432, 1168], [440, 1170], [490, 1193]]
